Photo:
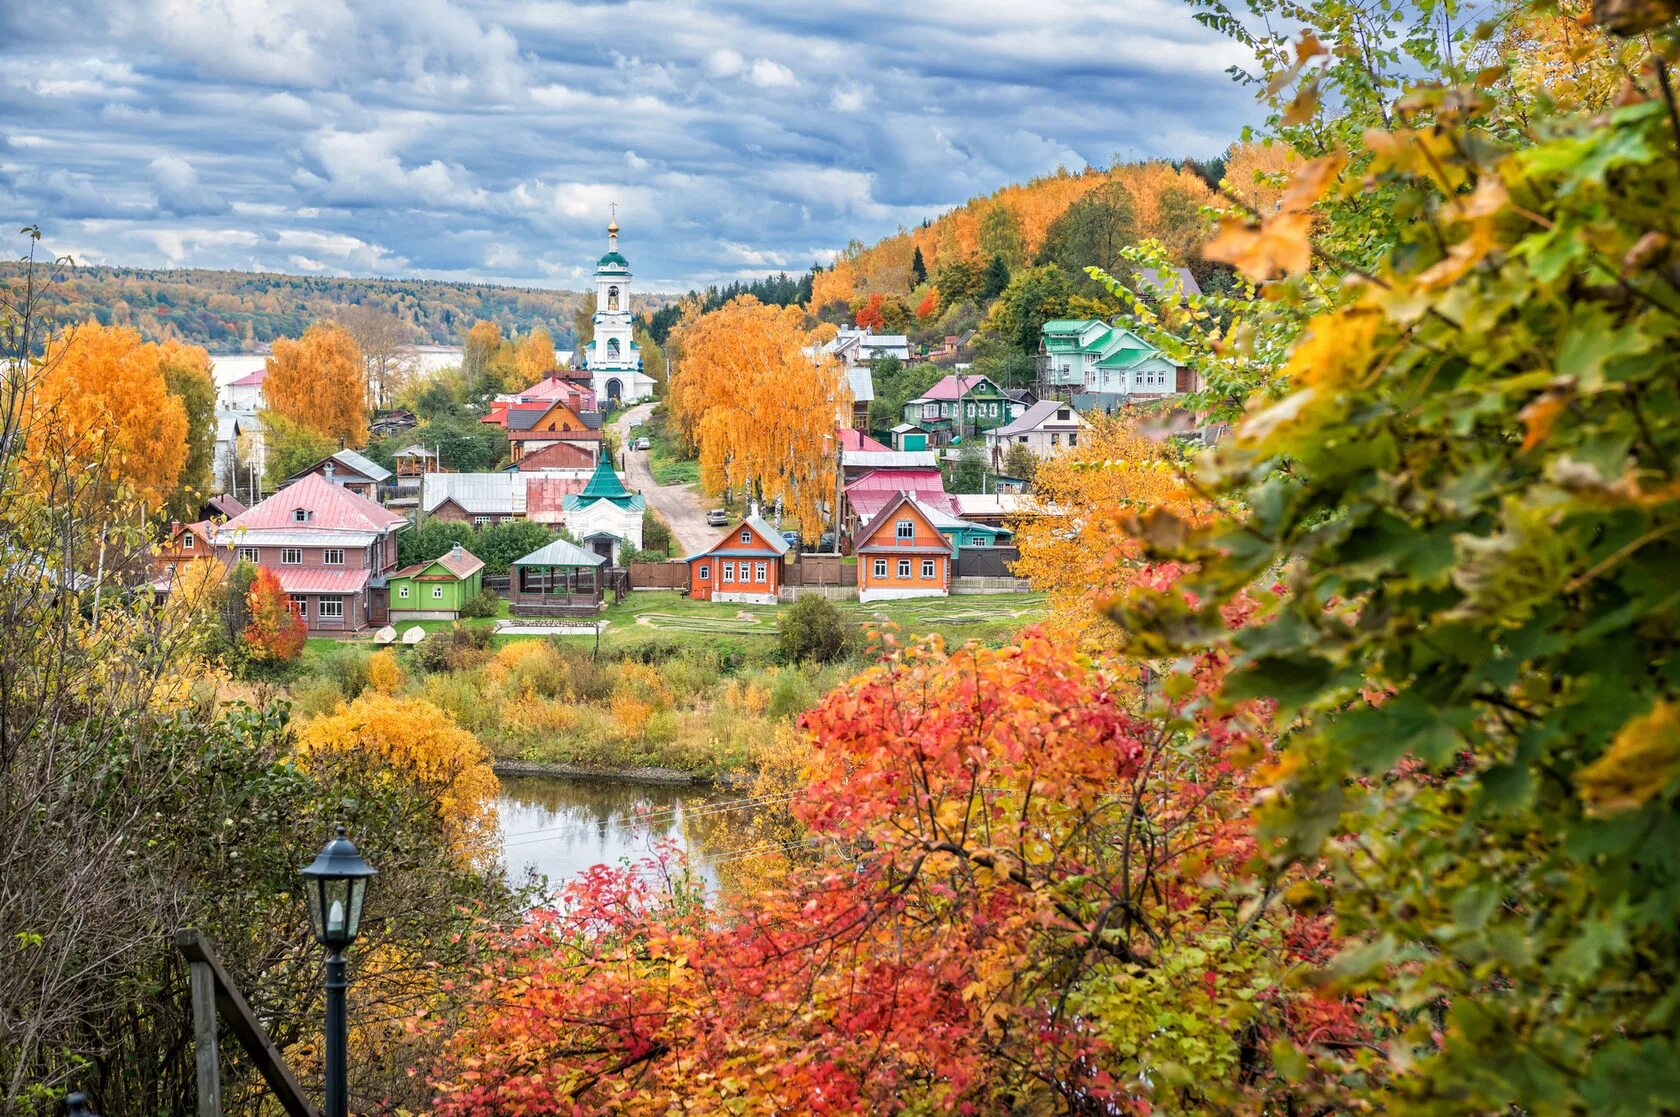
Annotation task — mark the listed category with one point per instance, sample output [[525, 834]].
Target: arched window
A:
[[612, 298], [612, 348]]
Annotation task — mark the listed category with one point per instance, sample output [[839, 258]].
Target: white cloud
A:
[[724, 63], [771, 75], [178, 189], [849, 98]]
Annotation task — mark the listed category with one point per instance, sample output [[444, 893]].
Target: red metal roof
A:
[[554, 436], [544, 494], [332, 508], [954, 386], [250, 379], [561, 455], [314, 579], [877, 488]]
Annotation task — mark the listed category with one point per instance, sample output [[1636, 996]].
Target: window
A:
[[249, 554], [333, 556], [761, 572], [904, 568], [332, 608], [402, 591], [612, 298], [746, 536], [1055, 439], [437, 593], [729, 571], [299, 605], [980, 541], [300, 515], [904, 529], [480, 521], [1022, 439], [927, 568], [1073, 438], [186, 541], [705, 572], [880, 570], [971, 411], [291, 556]]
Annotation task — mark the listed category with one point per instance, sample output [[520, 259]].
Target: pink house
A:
[[330, 548]]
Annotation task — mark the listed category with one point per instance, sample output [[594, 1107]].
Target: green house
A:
[[956, 406], [436, 590], [967, 535]]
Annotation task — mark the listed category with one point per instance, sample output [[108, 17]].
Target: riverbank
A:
[[653, 776]]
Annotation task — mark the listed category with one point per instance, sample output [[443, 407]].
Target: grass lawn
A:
[[667, 468]]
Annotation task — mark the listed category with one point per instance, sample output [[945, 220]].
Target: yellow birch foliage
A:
[[104, 396], [1073, 545], [318, 382], [421, 742], [761, 411], [1256, 174], [533, 359]]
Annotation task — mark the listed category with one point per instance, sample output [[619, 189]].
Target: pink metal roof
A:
[[877, 488], [304, 579], [251, 379], [953, 387], [856, 440], [544, 494], [333, 508]]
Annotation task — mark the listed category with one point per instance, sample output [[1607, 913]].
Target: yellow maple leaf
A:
[[1642, 761]]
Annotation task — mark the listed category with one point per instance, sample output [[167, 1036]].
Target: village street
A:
[[676, 504]]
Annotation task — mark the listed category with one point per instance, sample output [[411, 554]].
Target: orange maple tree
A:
[[869, 314], [317, 381], [1010, 897], [275, 631]]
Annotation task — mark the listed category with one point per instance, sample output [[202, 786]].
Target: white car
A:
[[717, 517]]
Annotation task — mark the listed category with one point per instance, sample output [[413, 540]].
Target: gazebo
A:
[[560, 579]]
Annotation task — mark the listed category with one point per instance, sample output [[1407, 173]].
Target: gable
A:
[[560, 417]]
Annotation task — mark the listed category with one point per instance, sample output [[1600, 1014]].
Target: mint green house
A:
[[1083, 356], [436, 590], [966, 534]]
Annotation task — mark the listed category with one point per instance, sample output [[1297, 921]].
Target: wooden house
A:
[[436, 590], [745, 565], [902, 553]]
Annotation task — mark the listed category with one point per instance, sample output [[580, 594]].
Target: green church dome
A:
[[612, 260]]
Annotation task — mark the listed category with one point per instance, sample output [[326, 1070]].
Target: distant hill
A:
[[235, 311]]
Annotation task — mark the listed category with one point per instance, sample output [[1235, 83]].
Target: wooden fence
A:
[[658, 575], [985, 562], [821, 570]]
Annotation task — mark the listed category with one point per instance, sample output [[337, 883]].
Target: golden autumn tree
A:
[[317, 382], [423, 743], [533, 359], [1257, 173], [759, 408], [104, 398], [482, 343], [1071, 535]]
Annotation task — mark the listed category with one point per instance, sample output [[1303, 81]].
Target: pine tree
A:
[[918, 270], [997, 278]]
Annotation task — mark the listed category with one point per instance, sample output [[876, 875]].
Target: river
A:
[[559, 827]]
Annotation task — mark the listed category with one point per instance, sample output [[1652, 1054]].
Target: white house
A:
[[1045, 428], [605, 517], [612, 357]]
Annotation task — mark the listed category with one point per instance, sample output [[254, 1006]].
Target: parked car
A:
[[642, 444], [825, 545], [793, 541], [717, 517]]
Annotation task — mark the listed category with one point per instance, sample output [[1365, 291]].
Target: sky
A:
[[485, 139]]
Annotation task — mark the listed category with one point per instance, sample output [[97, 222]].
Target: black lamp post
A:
[[336, 883]]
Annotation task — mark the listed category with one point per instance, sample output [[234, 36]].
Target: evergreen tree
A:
[[997, 278], [918, 269]]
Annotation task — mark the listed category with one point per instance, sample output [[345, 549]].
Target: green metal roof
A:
[[614, 260], [561, 553], [604, 483]]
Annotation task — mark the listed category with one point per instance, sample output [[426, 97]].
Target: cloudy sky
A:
[[484, 139]]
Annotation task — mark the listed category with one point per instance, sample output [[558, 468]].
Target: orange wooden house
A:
[[744, 566], [902, 553]]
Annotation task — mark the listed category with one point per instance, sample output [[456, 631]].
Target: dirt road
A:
[[676, 504]]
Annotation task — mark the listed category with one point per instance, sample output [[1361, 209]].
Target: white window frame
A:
[[402, 591], [746, 535], [880, 568], [761, 572], [437, 593], [327, 556], [250, 554], [300, 515], [300, 605], [904, 568], [928, 570], [186, 541], [904, 529], [480, 521], [291, 556], [330, 608], [981, 541], [728, 571], [705, 572]]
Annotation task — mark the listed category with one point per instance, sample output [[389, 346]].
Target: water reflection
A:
[[560, 827]]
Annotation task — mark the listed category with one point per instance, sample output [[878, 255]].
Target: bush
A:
[[346, 668], [656, 534], [486, 604], [790, 695], [460, 648], [812, 630]]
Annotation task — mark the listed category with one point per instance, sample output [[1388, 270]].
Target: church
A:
[[612, 358]]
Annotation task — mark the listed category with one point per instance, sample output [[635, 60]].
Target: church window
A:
[[612, 298], [612, 348]]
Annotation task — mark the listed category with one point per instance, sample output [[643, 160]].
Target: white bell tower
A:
[[612, 357]]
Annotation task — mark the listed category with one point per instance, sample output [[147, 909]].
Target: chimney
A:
[[455, 551], [328, 474]]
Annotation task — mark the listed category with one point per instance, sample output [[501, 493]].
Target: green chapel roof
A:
[[612, 260], [604, 485]]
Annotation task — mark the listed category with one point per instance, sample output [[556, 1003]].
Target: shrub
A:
[[812, 630], [530, 666], [487, 603], [316, 696], [384, 673], [791, 694], [347, 668]]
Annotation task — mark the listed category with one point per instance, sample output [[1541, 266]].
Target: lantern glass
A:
[[336, 886]]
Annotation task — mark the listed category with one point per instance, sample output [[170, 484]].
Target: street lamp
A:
[[336, 884]]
